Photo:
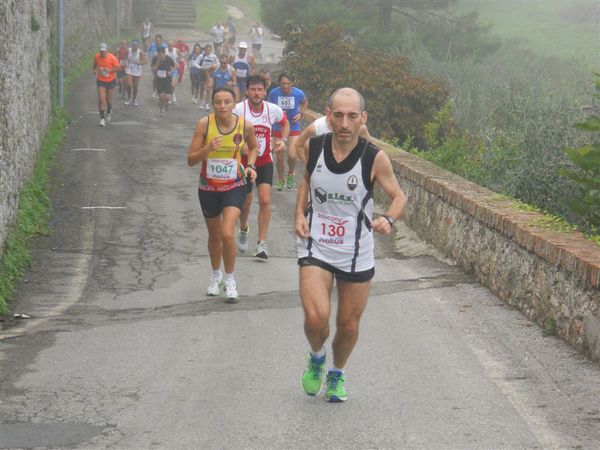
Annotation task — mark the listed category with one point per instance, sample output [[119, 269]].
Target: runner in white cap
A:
[[244, 65]]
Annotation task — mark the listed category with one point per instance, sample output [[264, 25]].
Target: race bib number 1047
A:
[[222, 169]]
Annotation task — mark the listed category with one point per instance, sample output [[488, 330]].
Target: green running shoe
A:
[[335, 387], [312, 376], [291, 181], [280, 184]]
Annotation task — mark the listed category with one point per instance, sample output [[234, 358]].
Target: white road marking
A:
[[103, 207], [89, 150]]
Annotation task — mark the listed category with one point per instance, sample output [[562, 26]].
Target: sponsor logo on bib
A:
[[320, 195], [333, 197]]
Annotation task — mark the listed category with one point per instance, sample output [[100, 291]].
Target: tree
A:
[[400, 104], [586, 174], [378, 23]]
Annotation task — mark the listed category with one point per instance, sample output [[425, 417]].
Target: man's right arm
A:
[[302, 229], [302, 142]]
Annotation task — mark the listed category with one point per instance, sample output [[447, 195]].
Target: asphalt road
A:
[[124, 350]]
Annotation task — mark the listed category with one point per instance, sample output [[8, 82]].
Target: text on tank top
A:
[[242, 68], [340, 208], [262, 127], [222, 170]]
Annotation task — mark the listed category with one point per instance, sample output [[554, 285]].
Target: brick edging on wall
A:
[[557, 273], [569, 250]]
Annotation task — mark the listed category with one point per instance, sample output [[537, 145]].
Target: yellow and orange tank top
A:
[[223, 169]]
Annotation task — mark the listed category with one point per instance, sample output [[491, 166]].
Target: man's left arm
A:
[[303, 107], [284, 128], [383, 174]]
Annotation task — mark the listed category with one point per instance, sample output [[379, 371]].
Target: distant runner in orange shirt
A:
[[105, 67]]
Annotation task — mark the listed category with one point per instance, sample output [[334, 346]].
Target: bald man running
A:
[[335, 225]]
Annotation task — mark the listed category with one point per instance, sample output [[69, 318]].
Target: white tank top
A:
[[134, 67], [263, 126], [147, 28], [340, 207], [321, 126], [241, 66], [173, 54]]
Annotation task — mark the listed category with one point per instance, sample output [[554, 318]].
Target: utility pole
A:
[[118, 19], [60, 49], [385, 14]]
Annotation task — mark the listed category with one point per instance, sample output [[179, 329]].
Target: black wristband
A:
[[251, 166], [389, 219]]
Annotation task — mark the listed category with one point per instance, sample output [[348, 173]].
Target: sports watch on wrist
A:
[[389, 219]]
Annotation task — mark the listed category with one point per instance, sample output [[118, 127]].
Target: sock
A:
[[245, 230], [102, 114], [229, 276], [108, 108], [318, 355], [217, 273], [335, 369]]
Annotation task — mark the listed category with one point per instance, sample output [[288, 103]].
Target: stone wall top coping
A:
[[568, 250]]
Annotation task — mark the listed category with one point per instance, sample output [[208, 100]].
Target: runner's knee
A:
[[316, 322]]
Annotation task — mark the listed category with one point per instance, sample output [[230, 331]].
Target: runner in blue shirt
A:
[[293, 101], [222, 74]]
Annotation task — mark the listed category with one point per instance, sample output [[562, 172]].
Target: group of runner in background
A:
[[238, 146], [209, 66]]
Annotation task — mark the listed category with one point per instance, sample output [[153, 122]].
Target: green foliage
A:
[[559, 28], [456, 151], [586, 174], [399, 103], [33, 214], [35, 24], [378, 24], [503, 100], [550, 328], [283, 15]]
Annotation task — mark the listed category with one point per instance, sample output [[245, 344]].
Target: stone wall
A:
[[87, 23], [24, 97], [26, 48], [549, 276]]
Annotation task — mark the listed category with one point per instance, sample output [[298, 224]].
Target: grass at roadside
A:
[[562, 28], [208, 12], [33, 214], [34, 205]]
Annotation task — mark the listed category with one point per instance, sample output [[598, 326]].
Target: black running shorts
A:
[[213, 203], [353, 277], [106, 84], [164, 86]]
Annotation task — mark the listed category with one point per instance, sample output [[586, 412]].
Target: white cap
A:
[[103, 47], [243, 44]]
